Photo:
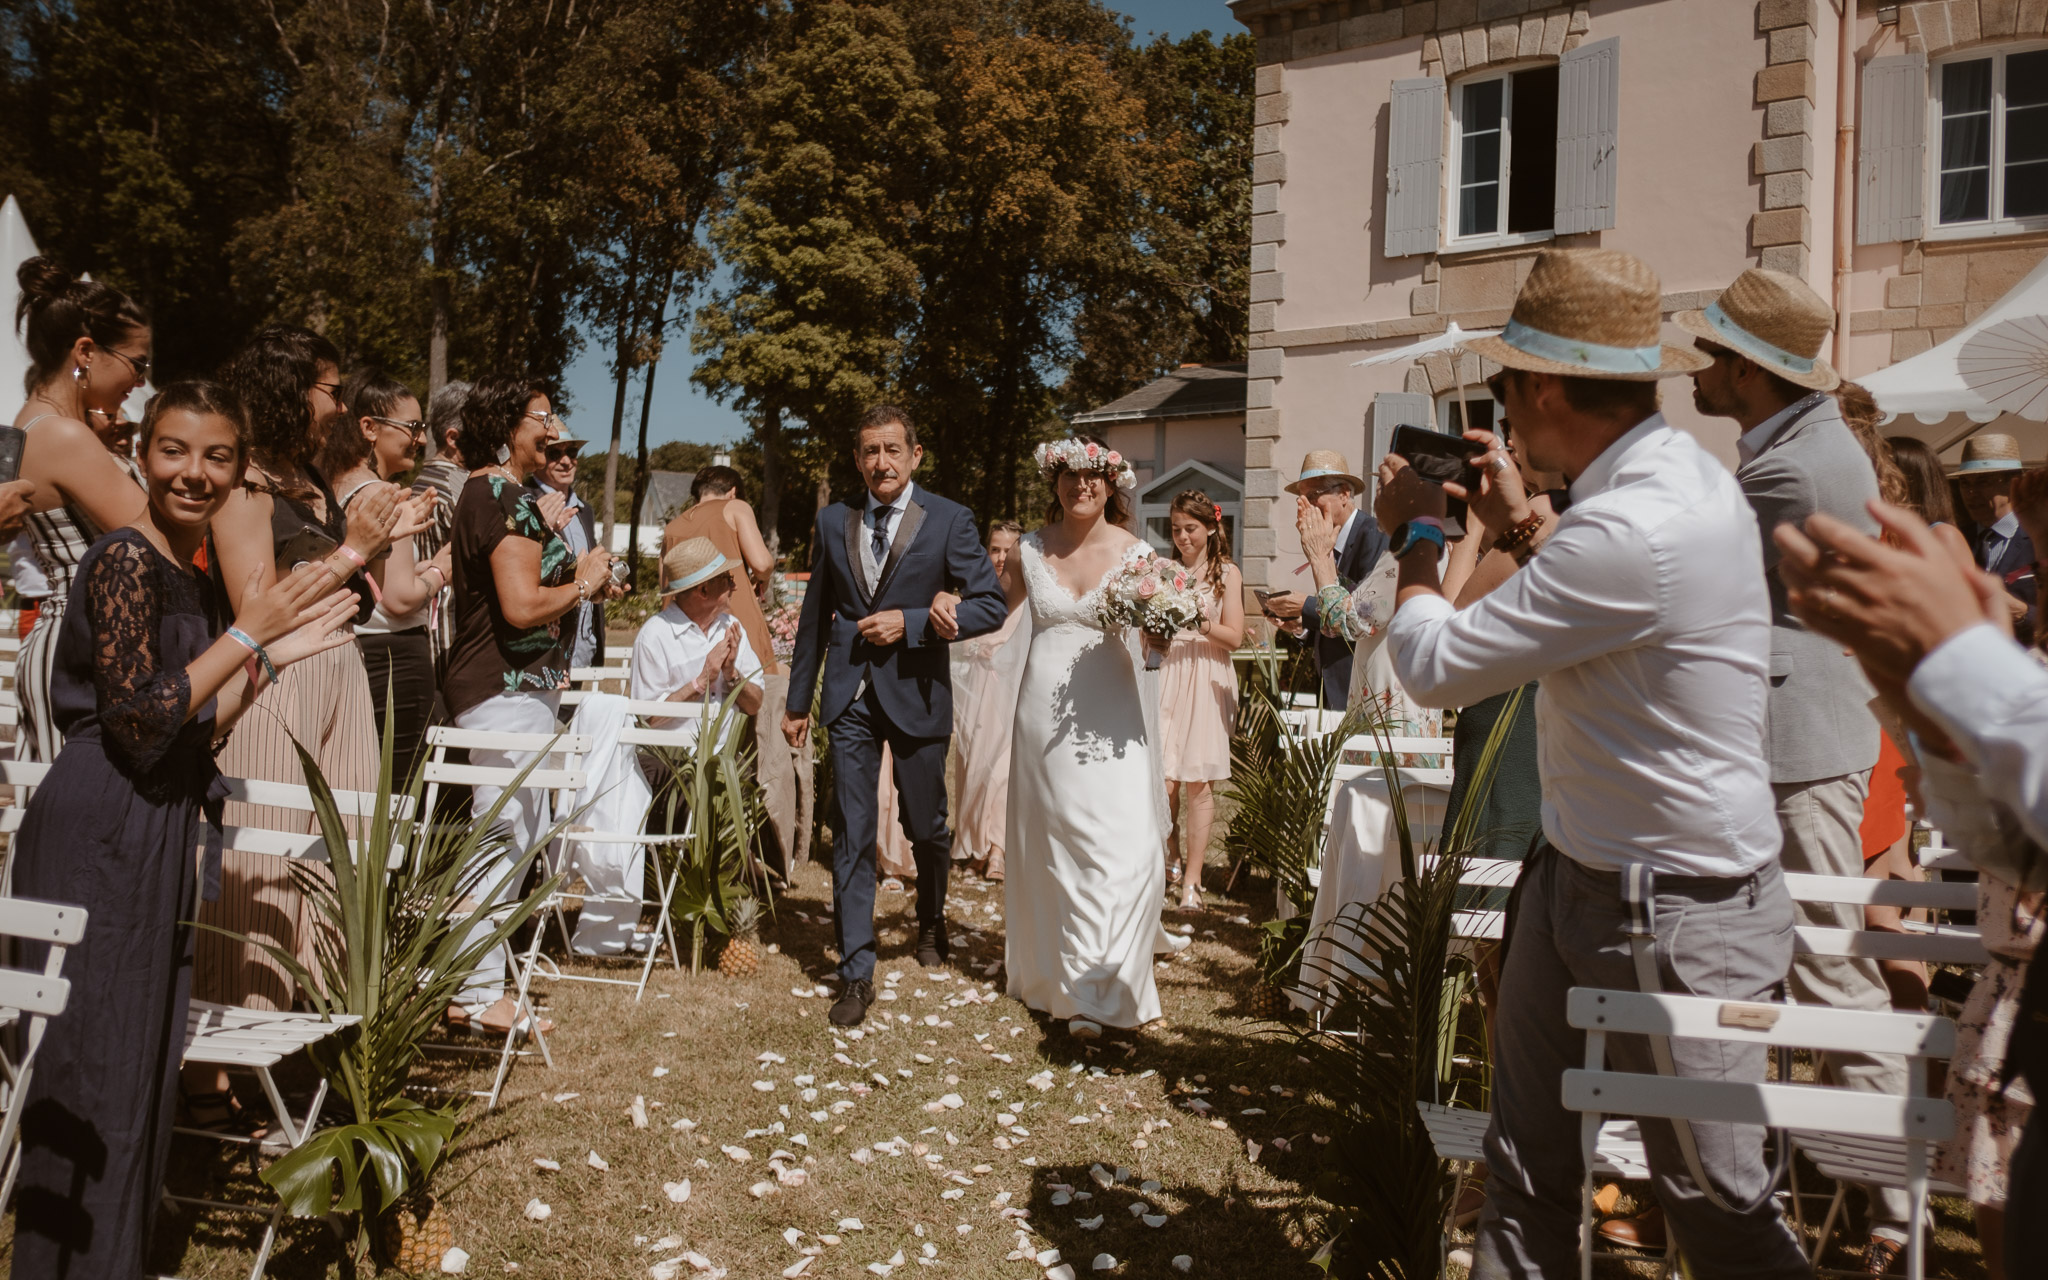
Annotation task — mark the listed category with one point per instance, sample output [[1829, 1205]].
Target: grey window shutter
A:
[[1415, 166], [1392, 409], [1891, 158], [1588, 128]]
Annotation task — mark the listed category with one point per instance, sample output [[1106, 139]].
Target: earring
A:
[[78, 376]]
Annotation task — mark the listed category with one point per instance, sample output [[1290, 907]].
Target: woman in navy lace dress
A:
[[148, 676]]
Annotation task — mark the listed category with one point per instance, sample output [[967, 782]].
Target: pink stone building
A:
[[1412, 157]]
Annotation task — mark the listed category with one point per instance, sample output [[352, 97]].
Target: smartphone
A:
[[307, 546], [12, 441], [1437, 457]]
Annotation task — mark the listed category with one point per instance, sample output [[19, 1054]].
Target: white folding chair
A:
[[38, 997], [681, 738], [584, 681], [1905, 1123], [542, 777], [1931, 943], [256, 1040], [21, 777]]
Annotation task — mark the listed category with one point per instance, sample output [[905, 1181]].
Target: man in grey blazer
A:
[[1797, 457]]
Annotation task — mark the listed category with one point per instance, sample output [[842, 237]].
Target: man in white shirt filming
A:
[[1645, 617], [695, 649]]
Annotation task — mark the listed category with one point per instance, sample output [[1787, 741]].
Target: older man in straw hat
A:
[[695, 648], [1763, 339], [1642, 610], [1326, 515], [1990, 464]]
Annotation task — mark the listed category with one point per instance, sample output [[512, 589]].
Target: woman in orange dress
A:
[[1198, 689]]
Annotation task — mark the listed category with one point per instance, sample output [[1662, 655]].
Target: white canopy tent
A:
[[1926, 396]]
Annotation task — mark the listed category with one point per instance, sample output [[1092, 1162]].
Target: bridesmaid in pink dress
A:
[[1198, 688], [986, 673]]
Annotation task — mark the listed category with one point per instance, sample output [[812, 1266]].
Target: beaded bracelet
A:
[[243, 638], [1519, 534]]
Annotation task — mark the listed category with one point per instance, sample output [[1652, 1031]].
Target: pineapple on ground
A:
[[415, 1234], [1268, 1001], [741, 957]]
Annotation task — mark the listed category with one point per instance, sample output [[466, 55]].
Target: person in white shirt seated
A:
[[695, 649]]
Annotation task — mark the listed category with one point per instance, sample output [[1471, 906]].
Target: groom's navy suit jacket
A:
[[936, 548]]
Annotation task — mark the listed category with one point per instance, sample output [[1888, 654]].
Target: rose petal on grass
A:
[[762, 1190], [665, 1270], [1154, 1219], [596, 1162], [639, 1112], [454, 1262], [1064, 1271], [764, 1086], [1183, 1262], [659, 1072], [851, 1224], [1104, 1262], [795, 1269], [1251, 1151], [677, 1192], [542, 1162], [737, 1154], [538, 1210], [1089, 1224]]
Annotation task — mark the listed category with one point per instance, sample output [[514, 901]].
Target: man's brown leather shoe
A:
[[1644, 1231]]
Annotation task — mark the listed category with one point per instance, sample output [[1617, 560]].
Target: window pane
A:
[[1966, 141], [2026, 135], [1532, 157], [1479, 121]]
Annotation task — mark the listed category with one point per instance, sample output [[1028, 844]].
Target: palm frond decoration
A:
[[1279, 786], [713, 782]]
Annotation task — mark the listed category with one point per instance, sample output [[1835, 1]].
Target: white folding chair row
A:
[[36, 997], [584, 681], [1907, 1124], [256, 1040], [438, 772], [10, 643], [1932, 944], [681, 738], [308, 845]]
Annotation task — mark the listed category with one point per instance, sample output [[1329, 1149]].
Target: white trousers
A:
[[526, 815]]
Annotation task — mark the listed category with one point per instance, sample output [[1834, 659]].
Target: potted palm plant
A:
[[400, 930]]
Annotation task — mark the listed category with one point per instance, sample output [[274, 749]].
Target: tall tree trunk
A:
[[646, 407], [622, 370], [770, 430]]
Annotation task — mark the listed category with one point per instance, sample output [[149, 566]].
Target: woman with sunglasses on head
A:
[[88, 347], [284, 514], [149, 674], [377, 442], [517, 592]]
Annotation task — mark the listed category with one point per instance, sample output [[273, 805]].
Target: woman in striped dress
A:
[[88, 345], [285, 515]]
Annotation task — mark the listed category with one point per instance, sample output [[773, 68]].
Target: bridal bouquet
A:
[[1154, 594]]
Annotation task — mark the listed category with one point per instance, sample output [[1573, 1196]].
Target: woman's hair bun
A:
[[41, 279]]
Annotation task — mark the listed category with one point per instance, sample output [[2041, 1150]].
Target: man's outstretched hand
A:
[[946, 615], [794, 727]]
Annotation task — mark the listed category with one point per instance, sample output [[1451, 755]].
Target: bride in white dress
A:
[[1085, 883]]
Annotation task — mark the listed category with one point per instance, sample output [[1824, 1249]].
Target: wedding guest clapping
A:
[[376, 442], [1198, 689], [88, 347], [148, 675], [695, 649], [1326, 493]]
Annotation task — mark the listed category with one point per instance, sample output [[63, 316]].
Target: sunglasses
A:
[[332, 390], [140, 364], [412, 427], [555, 453]]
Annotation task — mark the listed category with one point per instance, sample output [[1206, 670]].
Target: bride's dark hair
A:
[[1117, 510]]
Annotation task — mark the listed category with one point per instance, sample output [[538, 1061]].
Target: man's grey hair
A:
[[444, 413]]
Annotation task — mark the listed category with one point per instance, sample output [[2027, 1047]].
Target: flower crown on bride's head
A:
[[1085, 455]]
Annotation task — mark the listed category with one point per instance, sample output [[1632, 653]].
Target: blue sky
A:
[[681, 411]]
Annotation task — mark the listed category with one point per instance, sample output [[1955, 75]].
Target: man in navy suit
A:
[[895, 576], [1328, 485], [1990, 464]]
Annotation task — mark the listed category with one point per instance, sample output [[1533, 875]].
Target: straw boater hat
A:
[[1321, 464], [689, 563], [1990, 453], [1588, 313], [1773, 319]]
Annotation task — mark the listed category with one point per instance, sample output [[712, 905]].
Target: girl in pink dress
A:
[[1198, 688]]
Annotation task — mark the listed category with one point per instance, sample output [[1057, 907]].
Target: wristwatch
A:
[[1416, 532]]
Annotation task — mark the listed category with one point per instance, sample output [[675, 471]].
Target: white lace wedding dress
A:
[[1085, 879]]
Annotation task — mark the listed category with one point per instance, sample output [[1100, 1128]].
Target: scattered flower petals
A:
[[1251, 1151], [761, 1190], [659, 1072], [454, 1262], [596, 1162], [738, 1155], [639, 1112], [1104, 1262], [1154, 1219], [1183, 1262], [764, 1086], [795, 1269], [542, 1162], [677, 1192], [1089, 1224], [538, 1210], [851, 1224]]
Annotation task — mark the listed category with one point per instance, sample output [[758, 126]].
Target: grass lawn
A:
[[925, 1127], [691, 1050]]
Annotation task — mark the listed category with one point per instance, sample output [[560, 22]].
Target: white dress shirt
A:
[[670, 650], [1758, 438], [1992, 699], [2000, 532], [1646, 618], [890, 516]]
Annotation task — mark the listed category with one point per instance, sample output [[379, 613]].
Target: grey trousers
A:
[[1821, 821], [1730, 938]]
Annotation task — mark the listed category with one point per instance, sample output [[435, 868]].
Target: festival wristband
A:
[[244, 639], [1416, 532], [355, 558]]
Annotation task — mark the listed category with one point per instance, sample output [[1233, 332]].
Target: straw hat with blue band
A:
[[1321, 464], [1589, 313], [691, 562], [1988, 454], [1773, 319]]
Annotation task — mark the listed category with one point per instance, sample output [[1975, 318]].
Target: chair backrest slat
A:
[[477, 775], [1795, 1025], [1777, 1106], [33, 992], [490, 740], [1939, 894], [1875, 944], [52, 922]]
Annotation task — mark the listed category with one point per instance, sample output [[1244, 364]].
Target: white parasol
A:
[[1451, 337], [2007, 364]]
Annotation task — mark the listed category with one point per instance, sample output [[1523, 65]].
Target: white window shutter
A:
[[1415, 166], [1392, 409], [1588, 129], [1891, 160]]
